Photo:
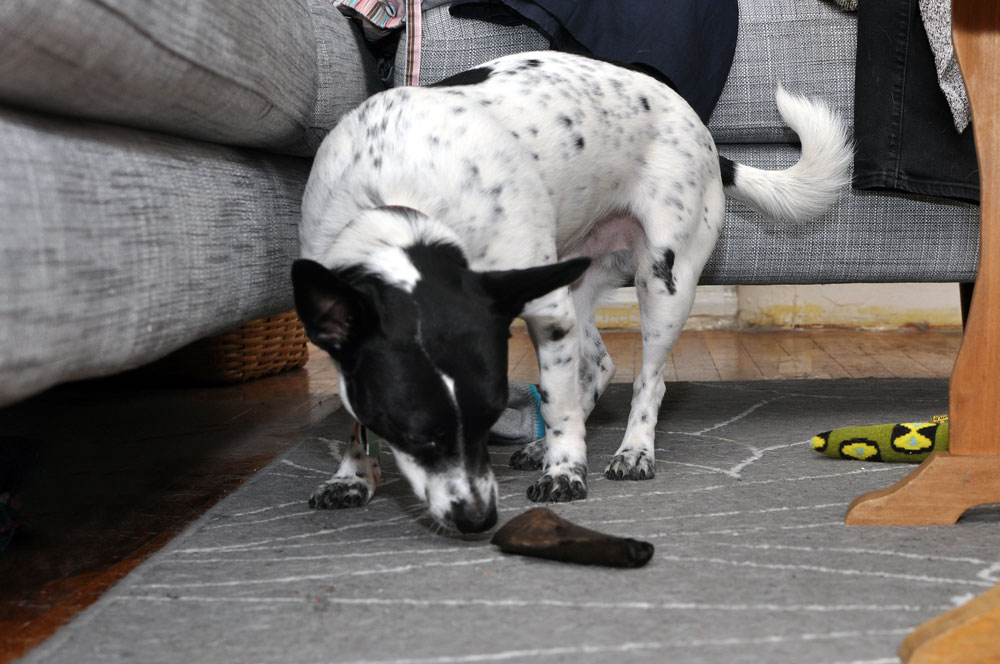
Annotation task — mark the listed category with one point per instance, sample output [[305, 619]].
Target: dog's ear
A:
[[332, 311], [512, 289]]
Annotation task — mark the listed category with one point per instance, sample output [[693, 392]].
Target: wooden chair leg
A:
[[965, 291], [969, 473], [966, 634]]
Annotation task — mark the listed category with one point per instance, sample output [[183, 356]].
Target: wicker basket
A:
[[262, 347]]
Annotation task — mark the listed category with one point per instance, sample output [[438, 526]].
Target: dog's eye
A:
[[425, 445]]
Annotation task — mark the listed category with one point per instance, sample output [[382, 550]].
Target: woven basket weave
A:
[[262, 347]]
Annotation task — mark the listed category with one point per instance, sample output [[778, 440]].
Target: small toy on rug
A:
[[521, 421], [909, 442], [542, 533]]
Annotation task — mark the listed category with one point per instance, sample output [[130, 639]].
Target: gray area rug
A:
[[752, 563]]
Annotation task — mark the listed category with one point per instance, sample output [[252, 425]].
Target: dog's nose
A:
[[472, 520]]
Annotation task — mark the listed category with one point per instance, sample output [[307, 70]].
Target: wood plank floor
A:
[[770, 355], [124, 467]]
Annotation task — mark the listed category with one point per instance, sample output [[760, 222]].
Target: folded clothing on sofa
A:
[[661, 37]]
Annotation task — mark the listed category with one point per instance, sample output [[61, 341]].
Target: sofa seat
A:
[[809, 46], [153, 159]]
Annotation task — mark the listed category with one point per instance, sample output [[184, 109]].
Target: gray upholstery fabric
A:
[[865, 237], [118, 246], [810, 48], [807, 46], [450, 45], [239, 72]]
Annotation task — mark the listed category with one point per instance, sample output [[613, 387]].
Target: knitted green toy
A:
[[907, 442]]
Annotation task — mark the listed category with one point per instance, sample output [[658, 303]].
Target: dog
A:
[[527, 186]]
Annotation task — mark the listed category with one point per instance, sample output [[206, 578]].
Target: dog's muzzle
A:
[[471, 519]]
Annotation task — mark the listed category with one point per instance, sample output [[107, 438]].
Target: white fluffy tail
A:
[[806, 189]]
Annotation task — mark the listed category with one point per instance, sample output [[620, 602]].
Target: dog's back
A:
[[546, 140]]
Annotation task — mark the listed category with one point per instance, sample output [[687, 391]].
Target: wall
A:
[[866, 306]]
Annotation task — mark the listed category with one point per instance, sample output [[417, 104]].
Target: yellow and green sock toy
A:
[[907, 442]]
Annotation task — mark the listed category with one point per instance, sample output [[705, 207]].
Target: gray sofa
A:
[[154, 154], [153, 157], [808, 46]]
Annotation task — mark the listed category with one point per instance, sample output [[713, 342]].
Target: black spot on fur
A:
[[728, 170], [580, 142], [566, 120], [644, 102], [555, 333], [468, 77], [426, 255], [664, 270]]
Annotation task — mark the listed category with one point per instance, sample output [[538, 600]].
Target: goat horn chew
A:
[[542, 533]]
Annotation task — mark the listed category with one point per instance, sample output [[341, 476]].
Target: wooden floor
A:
[[123, 467]]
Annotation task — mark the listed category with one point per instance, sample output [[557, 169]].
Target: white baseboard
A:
[[714, 306]]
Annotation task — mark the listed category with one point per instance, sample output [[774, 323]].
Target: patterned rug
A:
[[752, 562]]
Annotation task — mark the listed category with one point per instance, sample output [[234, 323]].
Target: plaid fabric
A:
[[414, 36], [380, 17]]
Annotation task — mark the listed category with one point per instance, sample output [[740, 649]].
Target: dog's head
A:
[[423, 363]]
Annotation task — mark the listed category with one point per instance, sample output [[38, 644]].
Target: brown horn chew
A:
[[542, 533]]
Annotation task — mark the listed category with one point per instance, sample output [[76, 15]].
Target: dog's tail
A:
[[807, 188]]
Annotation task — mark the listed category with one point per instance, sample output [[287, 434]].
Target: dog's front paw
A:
[[631, 465], [340, 492], [529, 457], [560, 485]]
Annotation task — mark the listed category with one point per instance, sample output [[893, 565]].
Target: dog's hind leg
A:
[[354, 483], [597, 368], [663, 308]]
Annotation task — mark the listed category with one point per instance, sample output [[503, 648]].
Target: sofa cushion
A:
[[121, 245], [807, 45], [273, 75], [865, 237], [450, 45]]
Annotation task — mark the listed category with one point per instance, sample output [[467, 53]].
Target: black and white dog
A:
[[526, 187]]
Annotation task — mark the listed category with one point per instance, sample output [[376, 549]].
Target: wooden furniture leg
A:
[[946, 484], [965, 292], [966, 634]]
